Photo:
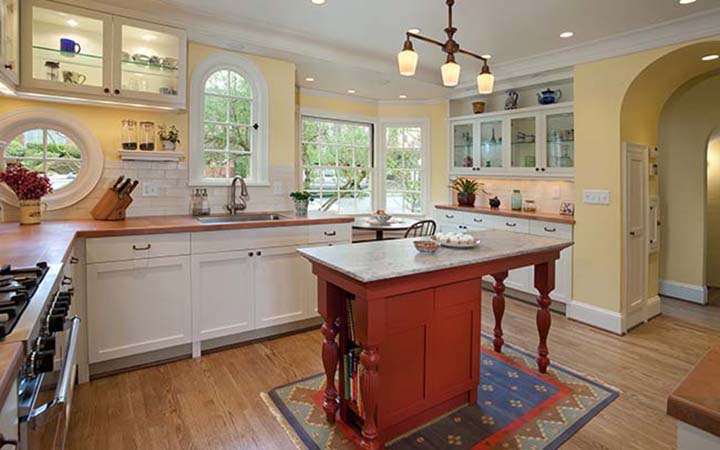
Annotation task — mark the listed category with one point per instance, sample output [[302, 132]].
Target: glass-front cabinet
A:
[[10, 40], [73, 50], [535, 142]]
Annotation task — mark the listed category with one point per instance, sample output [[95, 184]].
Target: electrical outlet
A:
[[277, 187], [556, 192], [151, 189], [596, 197]]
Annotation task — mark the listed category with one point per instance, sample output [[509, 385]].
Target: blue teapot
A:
[[548, 97]]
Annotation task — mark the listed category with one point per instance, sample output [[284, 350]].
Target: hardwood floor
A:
[[214, 402]]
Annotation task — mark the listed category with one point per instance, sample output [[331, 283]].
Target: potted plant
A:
[[169, 137], [302, 200], [466, 189], [29, 187]]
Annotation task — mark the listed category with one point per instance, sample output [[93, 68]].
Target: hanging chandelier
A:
[[408, 59]]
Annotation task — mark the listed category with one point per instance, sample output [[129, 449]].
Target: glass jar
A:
[[129, 135], [147, 136], [529, 206], [516, 200], [52, 70]]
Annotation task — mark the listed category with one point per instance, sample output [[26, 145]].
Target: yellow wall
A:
[[713, 212], [689, 118], [437, 113]]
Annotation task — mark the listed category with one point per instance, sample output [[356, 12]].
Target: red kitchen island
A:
[[403, 328]]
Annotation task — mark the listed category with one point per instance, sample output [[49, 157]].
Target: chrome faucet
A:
[[236, 204]]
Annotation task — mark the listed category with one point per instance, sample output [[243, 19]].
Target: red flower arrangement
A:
[[25, 183]]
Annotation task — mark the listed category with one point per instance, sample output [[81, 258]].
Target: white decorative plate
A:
[[461, 246]]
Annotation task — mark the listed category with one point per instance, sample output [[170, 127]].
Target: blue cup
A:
[[70, 47]]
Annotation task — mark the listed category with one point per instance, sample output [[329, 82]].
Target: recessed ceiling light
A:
[[710, 57], [487, 56], [403, 96], [351, 91], [73, 23], [414, 30], [149, 37], [318, 2], [310, 79], [686, 2], [567, 34]]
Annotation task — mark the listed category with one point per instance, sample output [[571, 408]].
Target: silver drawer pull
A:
[[550, 230], [449, 216], [477, 220], [330, 233], [512, 225], [141, 249]]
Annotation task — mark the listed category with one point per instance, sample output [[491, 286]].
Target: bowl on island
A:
[[381, 217], [426, 245]]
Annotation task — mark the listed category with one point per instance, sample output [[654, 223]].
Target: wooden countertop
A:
[[11, 356], [547, 217], [696, 400], [51, 241]]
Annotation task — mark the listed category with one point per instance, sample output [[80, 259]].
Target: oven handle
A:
[[64, 389]]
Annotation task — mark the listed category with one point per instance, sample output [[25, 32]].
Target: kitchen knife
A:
[[124, 186], [117, 183], [132, 187]]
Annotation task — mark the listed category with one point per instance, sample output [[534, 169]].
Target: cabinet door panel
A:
[[137, 306], [222, 294], [281, 287]]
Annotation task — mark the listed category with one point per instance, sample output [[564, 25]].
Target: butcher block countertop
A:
[[546, 217], [51, 241], [11, 355], [696, 400], [381, 260]]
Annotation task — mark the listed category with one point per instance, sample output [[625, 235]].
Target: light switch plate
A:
[[277, 187], [556, 192], [596, 197], [151, 189]]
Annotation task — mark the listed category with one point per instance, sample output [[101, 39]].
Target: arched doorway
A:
[[712, 265]]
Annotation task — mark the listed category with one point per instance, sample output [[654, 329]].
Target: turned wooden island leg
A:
[[498, 305], [544, 283], [329, 298], [370, 358]]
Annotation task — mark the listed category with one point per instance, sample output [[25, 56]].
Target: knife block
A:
[[112, 206]]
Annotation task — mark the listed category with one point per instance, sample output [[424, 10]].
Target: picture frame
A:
[[567, 208]]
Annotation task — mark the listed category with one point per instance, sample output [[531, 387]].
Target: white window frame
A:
[[425, 172], [379, 149], [259, 175], [21, 120]]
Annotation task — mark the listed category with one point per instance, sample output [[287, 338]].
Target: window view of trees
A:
[[48, 151], [403, 169], [228, 125], [336, 164]]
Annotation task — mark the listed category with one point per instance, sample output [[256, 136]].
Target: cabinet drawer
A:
[[512, 224], [249, 238], [551, 229], [334, 232], [124, 248]]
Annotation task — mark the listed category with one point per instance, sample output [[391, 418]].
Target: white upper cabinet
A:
[[535, 142], [10, 41], [88, 54]]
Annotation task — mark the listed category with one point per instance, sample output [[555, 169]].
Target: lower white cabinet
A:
[[223, 301], [137, 306], [280, 287]]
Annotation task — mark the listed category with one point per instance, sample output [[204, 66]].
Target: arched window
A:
[[228, 113], [45, 140]]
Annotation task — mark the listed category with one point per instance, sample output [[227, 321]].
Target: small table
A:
[[364, 223]]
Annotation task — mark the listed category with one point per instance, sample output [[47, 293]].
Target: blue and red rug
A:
[[518, 408]]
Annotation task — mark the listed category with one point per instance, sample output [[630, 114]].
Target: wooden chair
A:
[[422, 228]]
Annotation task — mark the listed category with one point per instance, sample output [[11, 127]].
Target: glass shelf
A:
[[149, 67], [77, 59]]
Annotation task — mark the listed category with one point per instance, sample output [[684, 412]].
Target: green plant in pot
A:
[[302, 201], [466, 189], [169, 137]]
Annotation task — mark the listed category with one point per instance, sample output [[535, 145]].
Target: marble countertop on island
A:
[[380, 260]]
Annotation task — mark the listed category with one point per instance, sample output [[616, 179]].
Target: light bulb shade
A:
[[485, 82], [450, 73], [407, 62]]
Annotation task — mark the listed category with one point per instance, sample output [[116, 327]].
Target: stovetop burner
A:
[[17, 286]]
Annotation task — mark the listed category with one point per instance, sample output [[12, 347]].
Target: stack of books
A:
[[351, 362]]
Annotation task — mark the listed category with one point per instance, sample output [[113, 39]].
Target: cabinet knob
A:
[[259, 253], [543, 169], [537, 169], [74, 260], [511, 225], [9, 66], [251, 254], [106, 90], [117, 91]]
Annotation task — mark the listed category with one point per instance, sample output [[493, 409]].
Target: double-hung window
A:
[[405, 171]]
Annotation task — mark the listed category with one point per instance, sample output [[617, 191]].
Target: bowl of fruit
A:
[[381, 217], [426, 245]]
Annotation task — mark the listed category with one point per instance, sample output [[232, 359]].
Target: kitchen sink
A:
[[241, 218]]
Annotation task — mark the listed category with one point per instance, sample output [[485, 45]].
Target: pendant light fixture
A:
[[408, 58]]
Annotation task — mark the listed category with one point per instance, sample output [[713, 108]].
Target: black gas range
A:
[[17, 287]]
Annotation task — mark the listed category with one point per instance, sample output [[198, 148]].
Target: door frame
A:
[[628, 147]]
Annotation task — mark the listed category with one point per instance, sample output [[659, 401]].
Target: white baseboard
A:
[[598, 317], [682, 291], [652, 308]]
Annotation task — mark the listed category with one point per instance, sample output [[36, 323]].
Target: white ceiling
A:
[[353, 43]]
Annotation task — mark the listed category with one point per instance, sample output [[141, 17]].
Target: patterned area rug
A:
[[517, 408]]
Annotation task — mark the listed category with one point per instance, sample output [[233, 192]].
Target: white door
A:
[[223, 299], [137, 306], [635, 233], [281, 294]]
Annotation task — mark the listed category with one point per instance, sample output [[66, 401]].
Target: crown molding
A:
[[554, 76], [369, 101]]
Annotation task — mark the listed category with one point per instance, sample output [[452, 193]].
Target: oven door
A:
[[47, 424]]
